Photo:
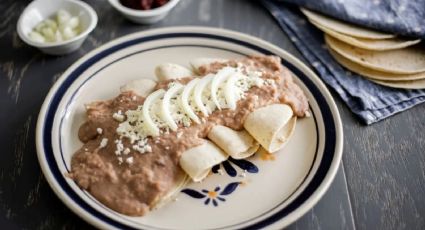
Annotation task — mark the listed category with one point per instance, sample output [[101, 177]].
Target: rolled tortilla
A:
[[271, 125], [142, 87], [238, 144], [198, 62], [198, 161], [169, 71]]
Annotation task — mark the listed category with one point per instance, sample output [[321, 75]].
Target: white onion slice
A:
[[230, 91], [199, 89], [218, 79], [165, 111], [149, 124], [184, 100]]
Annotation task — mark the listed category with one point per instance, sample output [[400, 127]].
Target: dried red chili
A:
[[143, 4]]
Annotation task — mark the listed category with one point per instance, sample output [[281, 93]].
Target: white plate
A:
[[273, 194]]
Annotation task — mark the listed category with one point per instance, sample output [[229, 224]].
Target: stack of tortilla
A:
[[382, 58]]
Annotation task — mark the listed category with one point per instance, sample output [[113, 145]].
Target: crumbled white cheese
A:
[[148, 148], [258, 82], [138, 149], [119, 147], [142, 146], [120, 160], [270, 82], [103, 143], [99, 131], [129, 160], [179, 134], [258, 73], [118, 116], [126, 151]]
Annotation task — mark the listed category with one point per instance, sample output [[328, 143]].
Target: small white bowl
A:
[[144, 16], [39, 10]]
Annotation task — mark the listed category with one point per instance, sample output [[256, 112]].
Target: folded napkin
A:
[[402, 17], [369, 101]]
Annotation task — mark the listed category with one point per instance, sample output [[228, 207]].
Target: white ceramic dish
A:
[[144, 16], [39, 10], [277, 189]]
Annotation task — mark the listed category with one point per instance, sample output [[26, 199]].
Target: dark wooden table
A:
[[380, 183]]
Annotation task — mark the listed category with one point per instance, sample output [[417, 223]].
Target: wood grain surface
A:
[[380, 185]]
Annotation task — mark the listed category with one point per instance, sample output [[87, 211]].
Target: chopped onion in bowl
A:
[[63, 26]]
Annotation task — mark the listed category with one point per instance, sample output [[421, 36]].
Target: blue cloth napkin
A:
[[369, 101], [402, 17]]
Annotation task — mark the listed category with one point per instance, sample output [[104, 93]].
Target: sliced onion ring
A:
[[229, 90], [149, 124], [165, 106], [199, 89], [184, 100], [221, 76]]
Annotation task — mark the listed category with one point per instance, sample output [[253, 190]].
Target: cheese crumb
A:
[[126, 151], [103, 143], [142, 146], [118, 116], [179, 134], [119, 147], [270, 82], [99, 131], [129, 160], [119, 160]]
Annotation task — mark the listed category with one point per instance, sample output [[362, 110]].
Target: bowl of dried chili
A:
[[144, 11]]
